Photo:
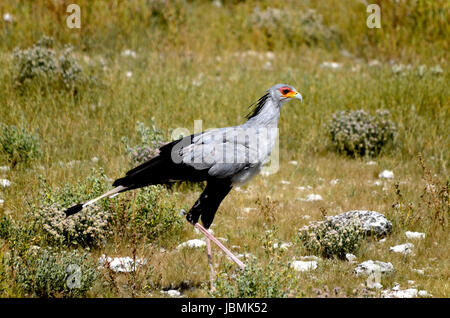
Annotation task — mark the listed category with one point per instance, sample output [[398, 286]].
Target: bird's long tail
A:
[[78, 207]]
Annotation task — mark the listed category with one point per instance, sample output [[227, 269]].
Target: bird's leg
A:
[[212, 275], [219, 244]]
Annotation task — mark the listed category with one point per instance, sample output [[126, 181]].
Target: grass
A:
[[187, 69]]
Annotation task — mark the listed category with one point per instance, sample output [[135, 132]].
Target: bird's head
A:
[[283, 93]]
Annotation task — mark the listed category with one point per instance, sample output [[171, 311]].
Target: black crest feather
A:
[[256, 107]]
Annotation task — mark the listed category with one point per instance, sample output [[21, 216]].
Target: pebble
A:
[[195, 243], [414, 235], [303, 266], [402, 248], [386, 174]]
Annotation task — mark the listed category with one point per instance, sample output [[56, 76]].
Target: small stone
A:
[[414, 235], [334, 181], [405, 293], [172, 293], [402, 248], [419, 271], [424, 293], [333, 65], [195, 243], [369, 267], [4, 168], [129, 74], [371, 222], [5, 183], [283, 246], [312, 197], [303, 266], [350, 257], [7, 17], [129, 53]]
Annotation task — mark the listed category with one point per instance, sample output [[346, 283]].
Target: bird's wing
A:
[[223, 152]]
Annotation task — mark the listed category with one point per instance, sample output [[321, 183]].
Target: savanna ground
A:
[[198, 60]]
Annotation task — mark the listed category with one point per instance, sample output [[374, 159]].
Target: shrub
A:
[[357, 133], [296, 26], [17, 145], [44, 273], [151, 138], [153, 213], [41, 64], [88, 228], [327, 239], [274, 280]]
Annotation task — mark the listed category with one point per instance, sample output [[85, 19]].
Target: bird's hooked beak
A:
[[296, 95]]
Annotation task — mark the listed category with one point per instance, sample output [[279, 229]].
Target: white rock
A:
[[419, 271], [129, 74], [369, 267], [386, 174], [293, 162], [310, 258], [372, 222], [303, 266], [246, 256], [195, 243], [121, 264], [414, 235], [5, 183], [283, 246], [405, 293], [312, 197], [402, 248], [350, 257], [129, 53], [333, 65], [172, 293], [334, 181], [424, 293]]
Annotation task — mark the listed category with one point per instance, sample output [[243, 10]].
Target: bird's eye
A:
[[285, 91]]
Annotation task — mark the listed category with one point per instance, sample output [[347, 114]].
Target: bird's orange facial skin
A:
[[287, 92]]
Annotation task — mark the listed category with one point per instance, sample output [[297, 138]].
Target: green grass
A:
[[187, 69]]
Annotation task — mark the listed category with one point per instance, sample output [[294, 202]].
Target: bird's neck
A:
[[267, 116]]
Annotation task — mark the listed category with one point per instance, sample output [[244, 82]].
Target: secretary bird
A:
[[222, 157]]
